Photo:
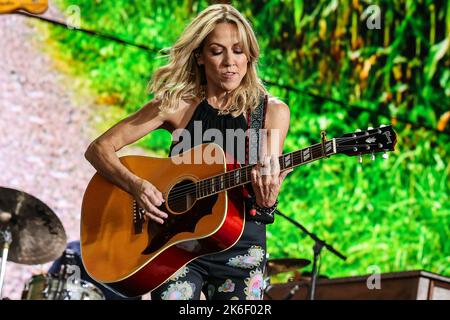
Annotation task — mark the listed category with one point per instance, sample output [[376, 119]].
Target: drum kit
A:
[[275, 267], [298, 278], [30, 234]]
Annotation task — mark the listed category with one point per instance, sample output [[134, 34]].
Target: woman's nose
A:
[[228, 59]]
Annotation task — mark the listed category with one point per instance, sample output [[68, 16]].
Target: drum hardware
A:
[[277, 266], [6, 239], [317, 248], [66, 284], [50, 287], [23, 219], [38, 235], [292, 292], [30, 232], [267, 289], [68, 263]]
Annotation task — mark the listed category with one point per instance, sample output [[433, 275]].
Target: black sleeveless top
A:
[[207, 117]]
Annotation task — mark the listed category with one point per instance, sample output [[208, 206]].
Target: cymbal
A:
[[38, 235], [275, 266]]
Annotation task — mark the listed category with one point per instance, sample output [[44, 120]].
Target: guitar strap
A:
[[255, 122]]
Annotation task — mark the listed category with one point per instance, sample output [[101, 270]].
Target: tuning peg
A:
[[358, 130], [385, 155], [382, 126], [360, 158], [369, 128], [372, 157]]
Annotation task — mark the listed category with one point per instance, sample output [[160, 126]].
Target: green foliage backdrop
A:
[[394, 214]]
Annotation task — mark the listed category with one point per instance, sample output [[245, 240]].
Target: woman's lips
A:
[[229, 75]]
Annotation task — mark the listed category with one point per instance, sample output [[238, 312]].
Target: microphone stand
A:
[[317, 248]]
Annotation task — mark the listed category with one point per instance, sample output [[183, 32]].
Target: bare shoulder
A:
[[277, 113], [274, 104], [179, 117], [184, 105], [153, 106]]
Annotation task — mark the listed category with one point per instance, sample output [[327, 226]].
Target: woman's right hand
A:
[[149, 198]]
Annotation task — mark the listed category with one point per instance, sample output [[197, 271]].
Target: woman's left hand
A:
[[267, 180]]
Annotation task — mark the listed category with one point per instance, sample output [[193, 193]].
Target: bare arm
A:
[[101, 153]]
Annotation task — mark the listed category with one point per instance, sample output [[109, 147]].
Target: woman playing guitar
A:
[[209, 83]]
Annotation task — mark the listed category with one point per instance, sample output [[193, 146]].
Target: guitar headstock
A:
[[372, 140]]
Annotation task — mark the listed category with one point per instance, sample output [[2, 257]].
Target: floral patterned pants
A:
[[236, 273]]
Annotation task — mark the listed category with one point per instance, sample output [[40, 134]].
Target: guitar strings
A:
[[229, 173], [313, 149], [182, 191]]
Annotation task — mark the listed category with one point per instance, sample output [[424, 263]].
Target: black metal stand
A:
[[318, 245], [5, 240]]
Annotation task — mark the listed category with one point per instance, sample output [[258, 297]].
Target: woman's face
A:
[[223, 57]]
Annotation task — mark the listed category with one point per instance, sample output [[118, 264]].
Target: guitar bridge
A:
[[138, 218]]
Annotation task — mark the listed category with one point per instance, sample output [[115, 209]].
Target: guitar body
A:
[[133, 256]]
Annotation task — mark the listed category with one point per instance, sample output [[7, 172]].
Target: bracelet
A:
[[263, 210]]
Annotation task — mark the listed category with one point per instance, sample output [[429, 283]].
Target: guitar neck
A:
[[242, 176]]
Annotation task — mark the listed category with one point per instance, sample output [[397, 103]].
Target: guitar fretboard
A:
[[241, 176]]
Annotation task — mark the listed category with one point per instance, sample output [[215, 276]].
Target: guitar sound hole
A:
[[182, 196]]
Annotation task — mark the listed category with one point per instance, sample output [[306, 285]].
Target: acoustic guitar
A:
[[205, 207], [31, 6]]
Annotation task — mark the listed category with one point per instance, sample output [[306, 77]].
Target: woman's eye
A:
[[216, 53], [238, 51]]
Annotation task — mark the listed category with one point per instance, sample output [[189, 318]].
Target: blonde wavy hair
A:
[[183, 79]]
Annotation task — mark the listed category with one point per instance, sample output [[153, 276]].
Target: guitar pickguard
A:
[[159, 234]]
